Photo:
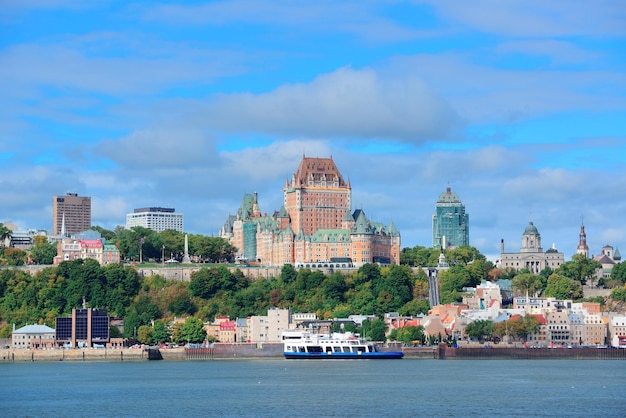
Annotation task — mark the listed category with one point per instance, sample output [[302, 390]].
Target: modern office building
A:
[[531, 256], [86, 327], [71, 214], [314, 228], [157, 219], [450, 222]]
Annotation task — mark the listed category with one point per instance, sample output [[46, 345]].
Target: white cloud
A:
[[346, 103]]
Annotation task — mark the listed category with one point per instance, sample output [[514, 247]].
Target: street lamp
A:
[[163, 254]]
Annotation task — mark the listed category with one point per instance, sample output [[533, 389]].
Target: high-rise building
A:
[[71, 214], [314, 228], [450, 222], [157, 219]]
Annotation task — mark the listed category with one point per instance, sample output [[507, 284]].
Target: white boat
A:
[[308, 345]]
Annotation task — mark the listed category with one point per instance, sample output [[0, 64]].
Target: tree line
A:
[[218, 290]]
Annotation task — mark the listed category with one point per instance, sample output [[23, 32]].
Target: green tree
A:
[[5, 234], [182, 305], [161, 333], [562, 287], [192, 331], [374, 330], [15, 256], [288, 274], [481, 330], [581, 269], [144, 334], [43, 253], [619, 272], [205, 283], [527, 284]]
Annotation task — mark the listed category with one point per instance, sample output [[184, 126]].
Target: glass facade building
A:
[[86, 325], [450, 222]]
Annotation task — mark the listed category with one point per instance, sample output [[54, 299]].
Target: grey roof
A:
[[531, 229], [448, 197], [34, 329]]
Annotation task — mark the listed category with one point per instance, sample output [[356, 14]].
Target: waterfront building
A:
[[269, 328], [314, 228], [156, 218], [86, 327], [71, 214], [450, 222], [32, 336], [531, 256], [617, 331]]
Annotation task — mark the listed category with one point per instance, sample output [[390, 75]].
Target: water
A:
[[322, 388]]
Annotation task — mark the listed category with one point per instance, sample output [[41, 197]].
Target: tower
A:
[[450, 222], [73, 211], [317, 197], [582, 242]]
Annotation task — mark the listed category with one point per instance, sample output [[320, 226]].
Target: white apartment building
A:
[[269, 328], [156, 218]]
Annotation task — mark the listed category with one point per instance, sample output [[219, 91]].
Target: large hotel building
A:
[[156, 218], [71, 214], [314, 226]]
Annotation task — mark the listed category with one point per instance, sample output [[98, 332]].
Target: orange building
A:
[[314, 227]]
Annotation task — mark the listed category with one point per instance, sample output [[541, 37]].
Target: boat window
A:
[[329, 349], [360, 348], [337, 349], [315, 349]]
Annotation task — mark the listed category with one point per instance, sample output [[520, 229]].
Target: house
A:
[[33, 336]]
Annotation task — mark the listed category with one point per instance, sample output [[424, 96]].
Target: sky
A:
[[519, 106]]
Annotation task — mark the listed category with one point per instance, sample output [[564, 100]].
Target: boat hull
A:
[[377, 355]]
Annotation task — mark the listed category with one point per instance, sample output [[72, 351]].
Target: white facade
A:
[[30, 336], [269, 328], [157, 219]]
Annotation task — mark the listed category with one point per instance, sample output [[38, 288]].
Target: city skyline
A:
[[519, 107]]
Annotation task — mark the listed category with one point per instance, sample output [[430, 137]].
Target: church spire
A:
[[582, 242]]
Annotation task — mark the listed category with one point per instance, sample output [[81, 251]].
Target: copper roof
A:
[[317, 169]]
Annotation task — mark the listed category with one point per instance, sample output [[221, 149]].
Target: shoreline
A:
[[274, 351]]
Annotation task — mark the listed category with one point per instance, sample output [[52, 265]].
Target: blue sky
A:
[[518, 106]]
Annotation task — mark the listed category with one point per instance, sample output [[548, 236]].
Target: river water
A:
[[315, 388]]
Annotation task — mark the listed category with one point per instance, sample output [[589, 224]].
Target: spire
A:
[[582, 242]]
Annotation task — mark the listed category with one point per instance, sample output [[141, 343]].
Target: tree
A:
[[619, 272], [144, 334], [481, 329], [5, 234], [43, 253], [581, 269], [374, 330], [408, 335], [561, 287], [160, 333], [15, 256], [527, 284], [205, 283], [288, 273], [192, 331]]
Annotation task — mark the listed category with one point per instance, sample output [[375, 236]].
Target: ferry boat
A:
[[308, 345]]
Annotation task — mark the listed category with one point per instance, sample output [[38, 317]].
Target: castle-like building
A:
[[314, 227]]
